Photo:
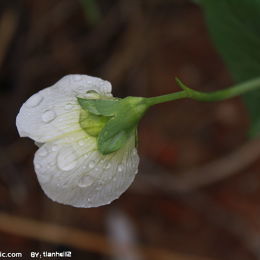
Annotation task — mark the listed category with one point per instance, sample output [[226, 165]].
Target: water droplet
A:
[[136, 171], [107, 166], [134, 152], [102, 181], [68, 107], [85, 181], [105, 88], [120, 168], [81, 142], [43, 152], [72, 139], [66, 160], [89, 199], [48, 116], [91, 164], [52, 163], [77, 77], [128, 164], [54, 148], [34, 100]]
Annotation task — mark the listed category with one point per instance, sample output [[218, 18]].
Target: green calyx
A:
[[112, 121]]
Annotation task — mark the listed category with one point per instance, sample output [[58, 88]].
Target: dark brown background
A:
[[197, 192]]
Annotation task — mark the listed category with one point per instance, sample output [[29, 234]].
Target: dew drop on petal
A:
[[91, 164], [72, 139], [52, 163], [54, 148], [68, 107], [85, 181], [120, 168], [48, 116], [105, 88], [129, 164], [66, 160], [34, 100], [81, 142], [107, 166]]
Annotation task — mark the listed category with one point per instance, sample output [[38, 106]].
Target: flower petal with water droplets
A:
[[78, 175], [54, 111]]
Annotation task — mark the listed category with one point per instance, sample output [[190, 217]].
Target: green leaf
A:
[[235, 29], [104, 107]]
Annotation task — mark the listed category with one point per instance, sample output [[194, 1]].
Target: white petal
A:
[[54, 111], [71, 171]]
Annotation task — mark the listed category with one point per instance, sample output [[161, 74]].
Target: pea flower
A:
[[81, 161], [87, 153]]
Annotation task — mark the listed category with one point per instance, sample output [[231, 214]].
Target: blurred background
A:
[[196, 196]]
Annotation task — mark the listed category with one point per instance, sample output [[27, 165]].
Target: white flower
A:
[[69, 167]]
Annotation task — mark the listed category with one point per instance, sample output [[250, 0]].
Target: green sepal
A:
[[112, 121], [104, 107], [108, 143], [121, 126]]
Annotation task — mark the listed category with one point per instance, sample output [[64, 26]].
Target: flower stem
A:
[[207, 97]]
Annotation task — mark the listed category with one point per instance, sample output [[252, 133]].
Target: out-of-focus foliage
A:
[[92, 11], [235, 29]]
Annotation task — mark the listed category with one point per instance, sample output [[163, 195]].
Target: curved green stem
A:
[[207, 97]]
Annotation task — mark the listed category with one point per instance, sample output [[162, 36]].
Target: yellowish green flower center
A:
[[92, 124]]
